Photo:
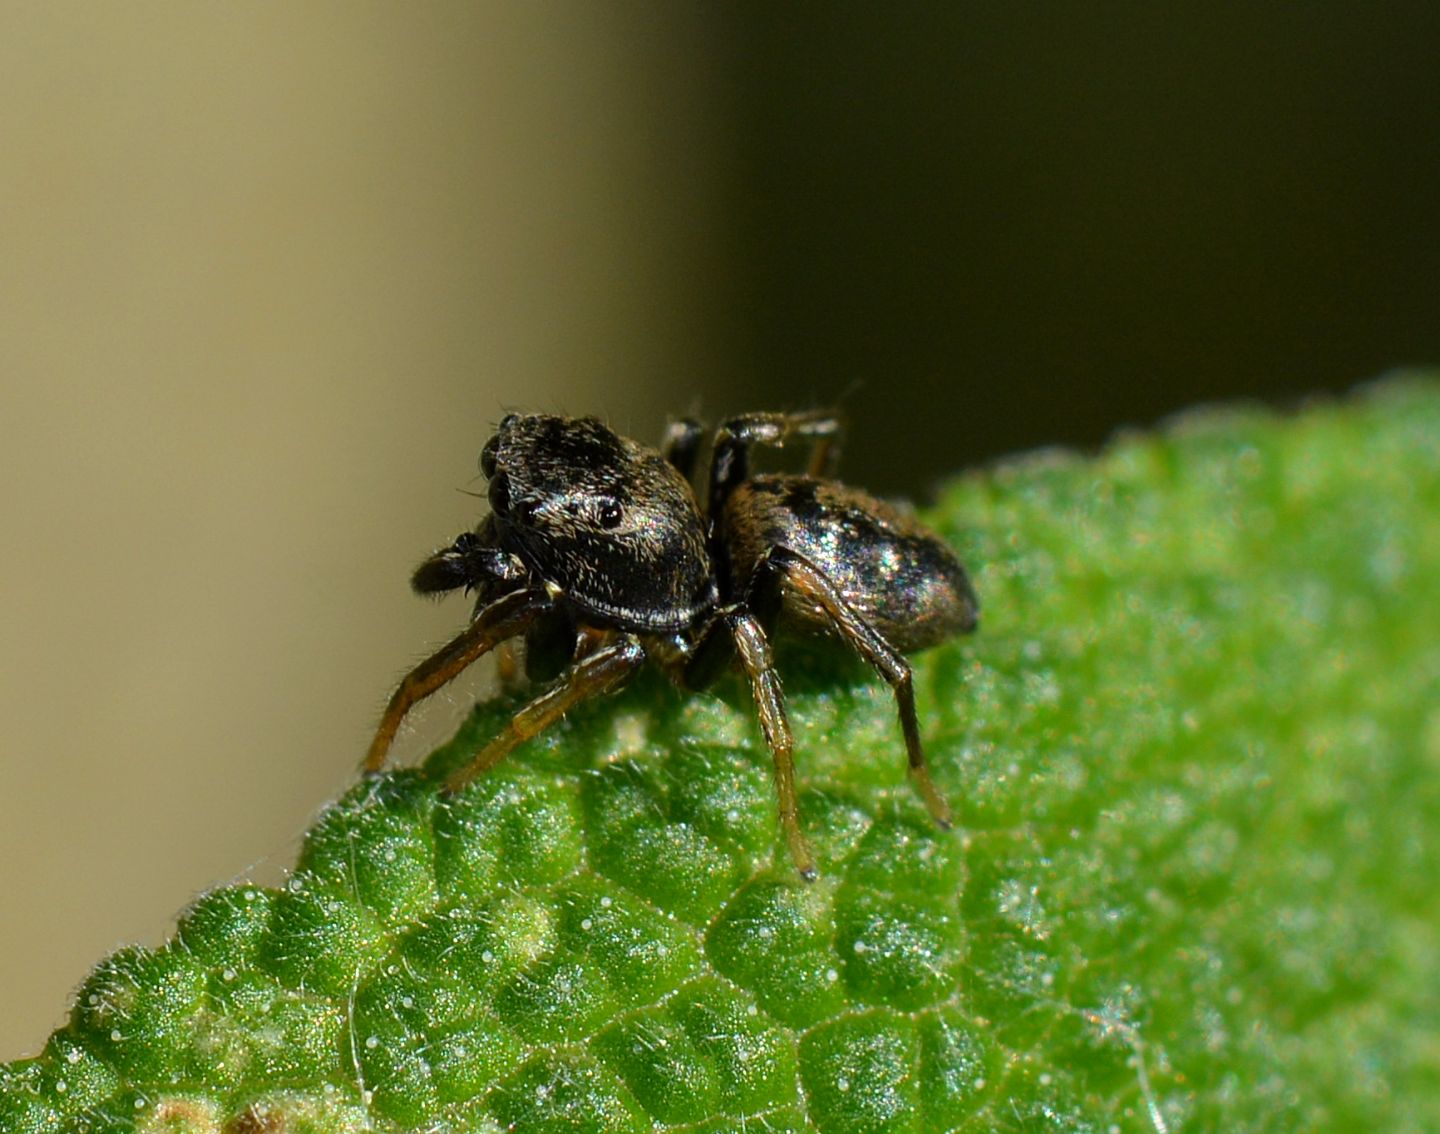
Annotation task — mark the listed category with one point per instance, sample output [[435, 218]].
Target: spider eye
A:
[[487, 457], [610, 513], [500, 494]]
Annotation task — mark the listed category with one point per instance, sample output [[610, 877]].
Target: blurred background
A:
[[269, 272]]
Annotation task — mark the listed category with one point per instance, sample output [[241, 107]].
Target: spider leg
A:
[[752, 646], [502, 619], [599, 672], [681, 445], [507, 664], [811, 585], [730, 458], [825, 448]]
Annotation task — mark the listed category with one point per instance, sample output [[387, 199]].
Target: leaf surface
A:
[[1194, 754]]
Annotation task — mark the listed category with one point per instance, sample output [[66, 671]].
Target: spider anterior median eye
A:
[[610, 514]]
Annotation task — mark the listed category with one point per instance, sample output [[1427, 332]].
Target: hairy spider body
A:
[[597, 553]]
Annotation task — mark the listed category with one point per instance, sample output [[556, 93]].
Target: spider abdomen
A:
[[892, 570]]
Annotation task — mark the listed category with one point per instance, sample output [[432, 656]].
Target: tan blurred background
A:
[[268, 272]]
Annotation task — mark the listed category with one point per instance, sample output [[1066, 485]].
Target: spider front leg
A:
[[503, 619], [730, 459], [681, 445], [783, 568], [602, 671]]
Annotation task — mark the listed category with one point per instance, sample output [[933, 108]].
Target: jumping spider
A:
[[597, 552]]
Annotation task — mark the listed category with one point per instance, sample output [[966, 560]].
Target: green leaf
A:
[[1194, 754]]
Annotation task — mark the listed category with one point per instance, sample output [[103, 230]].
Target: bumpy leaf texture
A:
[[1195, 757]]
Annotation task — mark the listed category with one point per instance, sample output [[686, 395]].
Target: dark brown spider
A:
[[597, 552]]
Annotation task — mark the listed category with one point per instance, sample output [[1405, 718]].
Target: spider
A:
[[597, 553]]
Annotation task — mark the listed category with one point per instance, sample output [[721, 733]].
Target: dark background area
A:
[[1013, 225]]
